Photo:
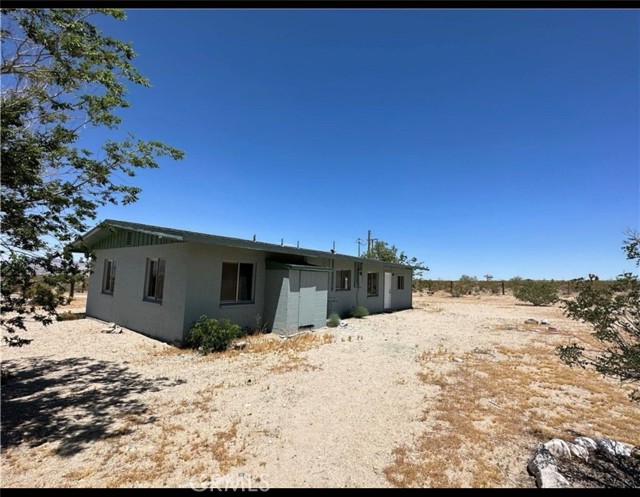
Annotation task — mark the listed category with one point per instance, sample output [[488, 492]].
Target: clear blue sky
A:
[[480, 141]]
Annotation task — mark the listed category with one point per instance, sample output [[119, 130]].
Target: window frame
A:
[[147, 280], [369, 284], [340, 279], [400, 278], [109, 276], [252, 301]]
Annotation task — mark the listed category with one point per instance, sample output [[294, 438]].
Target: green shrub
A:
[[359, 311], [212, 335], [333, 321], [540, 292], [70, 316], [465, 285]]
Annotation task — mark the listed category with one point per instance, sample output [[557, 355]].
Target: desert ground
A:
[[455, 392]]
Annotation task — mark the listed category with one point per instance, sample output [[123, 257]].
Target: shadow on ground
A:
[[72, 401]]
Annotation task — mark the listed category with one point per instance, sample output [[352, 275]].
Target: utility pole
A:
[[370, 241], [359, 241]]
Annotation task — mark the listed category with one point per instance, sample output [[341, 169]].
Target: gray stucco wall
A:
[[126, 306], [204, 273], [341, 301], [401, 299]]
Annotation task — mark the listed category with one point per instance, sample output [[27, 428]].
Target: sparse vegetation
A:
[[359, 312], [333, 321], [465, 286], [70, 316], [614, 312], [536, 292], [212, 335]]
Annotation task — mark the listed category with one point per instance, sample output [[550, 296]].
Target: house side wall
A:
[[276, 300], [126, 306], [401, 299], [204, 273]]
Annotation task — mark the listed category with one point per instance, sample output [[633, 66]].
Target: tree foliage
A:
[[614, 313], [536, 292], [382, 251], [60, 76]]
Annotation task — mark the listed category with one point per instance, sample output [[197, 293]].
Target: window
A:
[[109, 276], [372, 284], [400, 282], [155, 280], [343, 280], [237, 283]]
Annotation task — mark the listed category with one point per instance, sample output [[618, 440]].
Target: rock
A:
[[543, 467], [531, 321], [612, 447], [558, 448], [457, 359], [480, 350], [585, 442], [112, 328], [552, 329], [544, 321], [239, 345], [344, 325]]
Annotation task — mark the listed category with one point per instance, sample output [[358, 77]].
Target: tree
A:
[[381, 251], [60, 75], [488, 277], [614, 312], [537, 292]]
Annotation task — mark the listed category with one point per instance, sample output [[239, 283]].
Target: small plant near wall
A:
[[333, 321], [359, 311], [212, 335]]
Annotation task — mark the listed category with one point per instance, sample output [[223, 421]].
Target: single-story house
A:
[[159, 281]]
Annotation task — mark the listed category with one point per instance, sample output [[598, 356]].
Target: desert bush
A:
[[465, 285], [70, 316], [359, 311], [212, 335], [614, 312], [333, 321], [540, 292]]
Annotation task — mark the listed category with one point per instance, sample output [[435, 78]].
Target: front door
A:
[[387, 290]]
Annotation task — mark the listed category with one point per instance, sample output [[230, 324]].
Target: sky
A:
[[502, 142]]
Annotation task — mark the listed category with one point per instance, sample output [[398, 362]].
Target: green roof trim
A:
[[105, 229]]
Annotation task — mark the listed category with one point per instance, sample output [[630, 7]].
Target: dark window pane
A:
[[160, 280], [245, 282], [229, 281], [112, 280], [151, 287]]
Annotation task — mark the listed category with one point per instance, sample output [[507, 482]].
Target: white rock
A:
[[585, 442], [558, 448], [579, 451], [612, 447], [544, 468]]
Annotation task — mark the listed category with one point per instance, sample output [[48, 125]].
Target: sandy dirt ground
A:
[[454, 392]]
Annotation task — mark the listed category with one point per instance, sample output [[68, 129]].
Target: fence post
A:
[[503, 288], [451, 288]]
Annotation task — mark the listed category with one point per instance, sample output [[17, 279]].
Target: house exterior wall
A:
[[401, 299], [126, 306], [192, 288], [276, 300], [204, 276]]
